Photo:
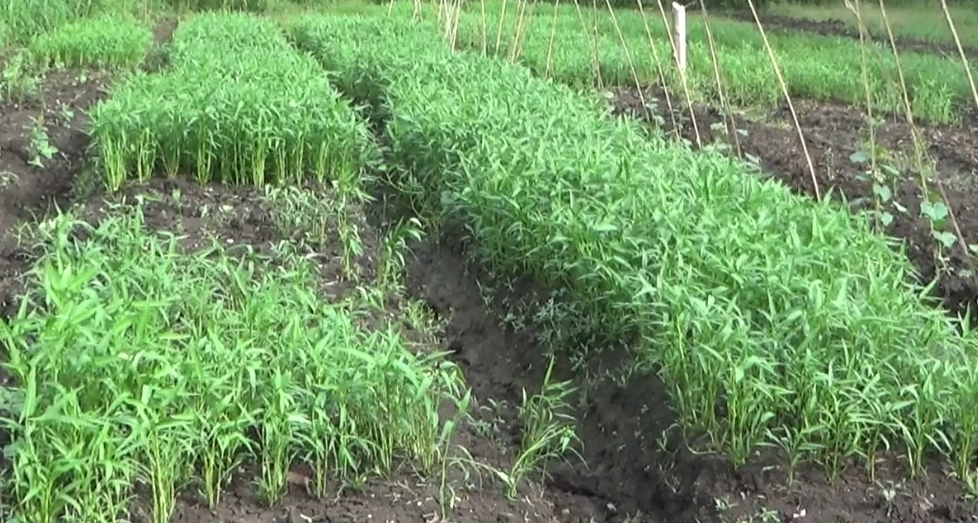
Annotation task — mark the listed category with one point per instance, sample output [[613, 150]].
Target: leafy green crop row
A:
[[772, 319], [102, 41], [814, 67], [137, 364], [238, 104], [24, 20]]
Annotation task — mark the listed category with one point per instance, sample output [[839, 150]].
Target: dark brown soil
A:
[[624, 479], [833, 133], [163, 32], [158, 59], [787, 24], [55, 116]]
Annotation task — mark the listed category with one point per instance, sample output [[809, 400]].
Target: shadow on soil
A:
[[625, 477]]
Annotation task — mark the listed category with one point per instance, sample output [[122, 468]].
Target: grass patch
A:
[[923, 21], [26, 20]]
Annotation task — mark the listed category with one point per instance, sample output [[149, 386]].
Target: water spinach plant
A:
[[139, 364], [238, 105]]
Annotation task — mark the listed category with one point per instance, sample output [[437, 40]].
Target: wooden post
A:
[[679, 34]]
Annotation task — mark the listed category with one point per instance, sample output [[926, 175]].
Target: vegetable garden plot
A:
[[238, 105], [773, 319]]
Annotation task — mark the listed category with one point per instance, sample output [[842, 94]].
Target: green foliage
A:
[[102, 41], [136, 362], [912, 19], [238, 104], [28, 19], [771, 318], [814, 67]]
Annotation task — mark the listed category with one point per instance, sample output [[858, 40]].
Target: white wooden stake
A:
[[679, 34]]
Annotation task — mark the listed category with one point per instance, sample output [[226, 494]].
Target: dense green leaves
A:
[[137, 363], [238, 104], [24, 20], [772, 319], [102, 41]]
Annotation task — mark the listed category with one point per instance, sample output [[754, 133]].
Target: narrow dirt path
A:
[[791, 25]]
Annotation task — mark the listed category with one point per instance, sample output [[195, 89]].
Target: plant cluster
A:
[[101, 41], [25, 20], [18, 79], [138, 364], [774, 320], [579, 48], [238, 104]]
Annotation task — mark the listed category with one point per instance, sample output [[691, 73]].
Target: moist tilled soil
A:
[[833, 133], [788, 24], [43, 144]]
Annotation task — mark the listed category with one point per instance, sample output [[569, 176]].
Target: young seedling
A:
[[391, 259], [41, 149], [548, 431]]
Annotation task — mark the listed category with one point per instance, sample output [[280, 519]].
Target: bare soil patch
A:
[[163, 32], [157, 59], [622, 477]]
